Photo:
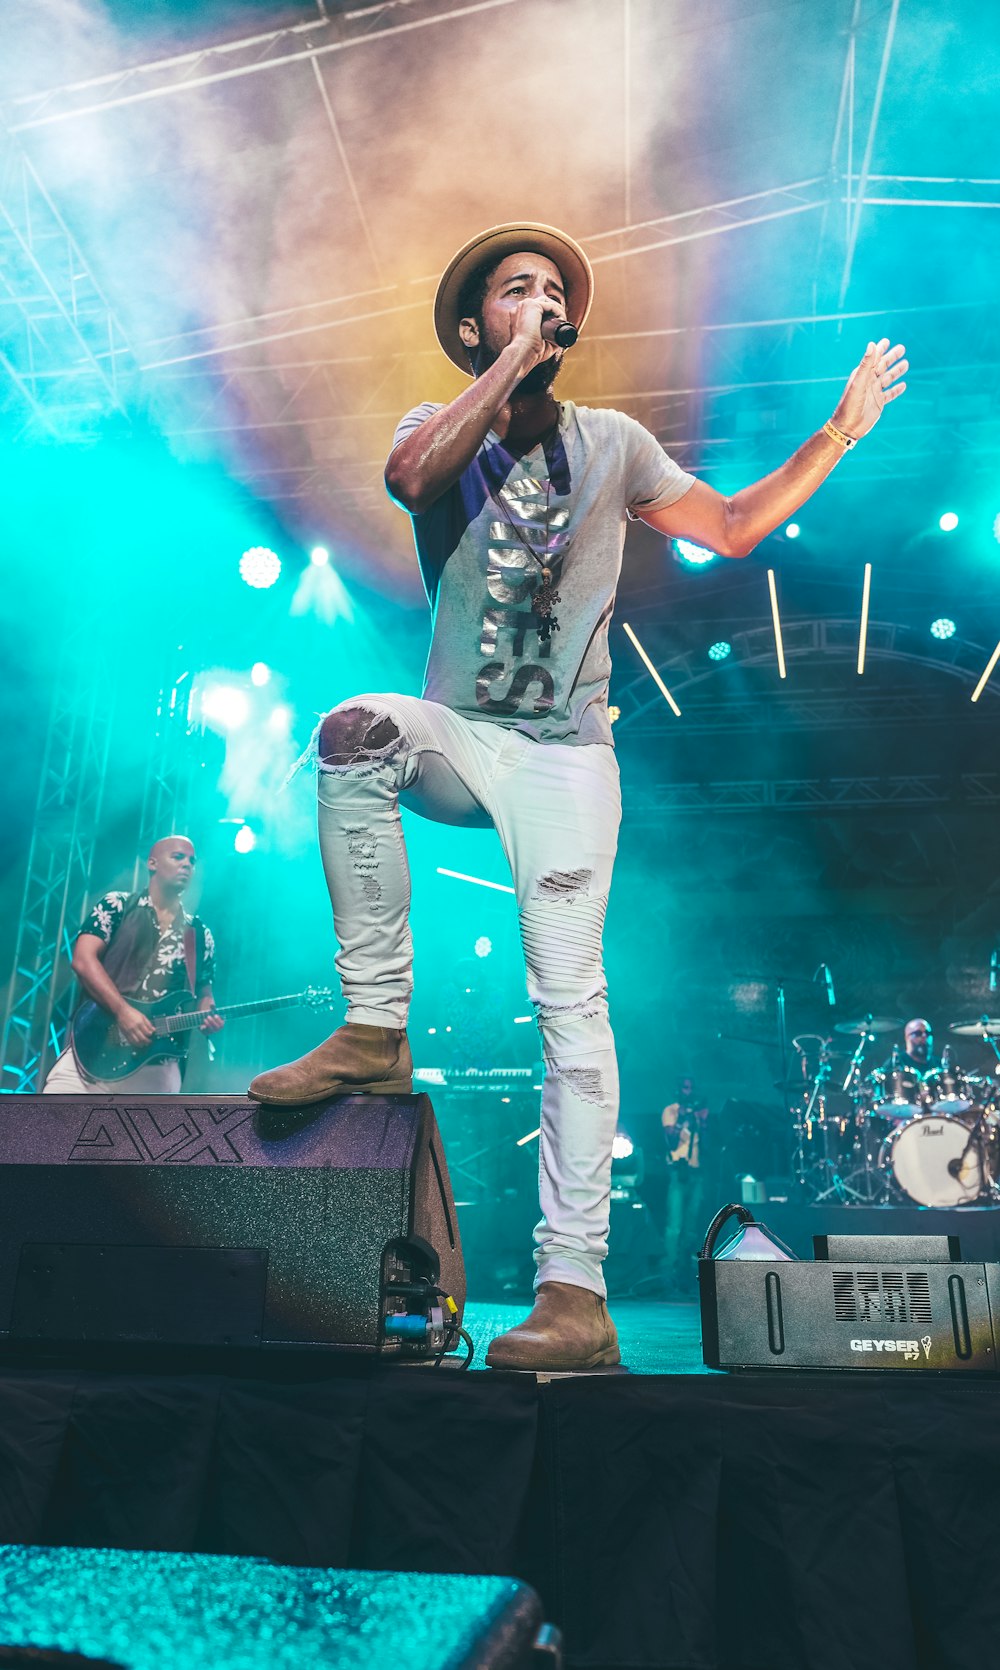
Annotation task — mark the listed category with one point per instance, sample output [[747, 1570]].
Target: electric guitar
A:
[[102, 1053]]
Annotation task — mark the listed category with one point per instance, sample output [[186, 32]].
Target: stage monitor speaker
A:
[[202, 1221], [130, 1610], [892, 1313]]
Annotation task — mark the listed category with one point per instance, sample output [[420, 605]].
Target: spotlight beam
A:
[[654, 675], [987, 670], [866, 592], [456, 875], [778, 644]]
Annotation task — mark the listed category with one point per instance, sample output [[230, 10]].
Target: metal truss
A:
[[650, 801], [640, 701], [173, 760], [62, 347], [352, 26], [58, 879]]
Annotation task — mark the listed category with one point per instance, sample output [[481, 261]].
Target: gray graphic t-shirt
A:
[[483, 545]]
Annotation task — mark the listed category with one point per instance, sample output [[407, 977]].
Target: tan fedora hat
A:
[[493, 245]]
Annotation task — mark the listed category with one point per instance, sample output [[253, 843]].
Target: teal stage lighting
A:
[[319, 556], [245, 840], [483, 946], [260, 674], [943, 628], [260, 567], [792, 531], [694, 555], [225, 706], [948, 521], [720, 651]]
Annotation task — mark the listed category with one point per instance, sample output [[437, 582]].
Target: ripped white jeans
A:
[[556, 809]]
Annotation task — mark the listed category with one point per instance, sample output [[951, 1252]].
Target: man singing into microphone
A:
[[519, 506]]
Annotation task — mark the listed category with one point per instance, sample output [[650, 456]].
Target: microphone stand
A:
[[976, 1133]]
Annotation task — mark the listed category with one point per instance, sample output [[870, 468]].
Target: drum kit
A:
[[896, 1134]]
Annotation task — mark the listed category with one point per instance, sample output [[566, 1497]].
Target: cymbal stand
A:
[[854, 1070], [838, 1186]]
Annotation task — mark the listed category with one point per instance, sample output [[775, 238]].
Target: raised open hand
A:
[[870, 388]]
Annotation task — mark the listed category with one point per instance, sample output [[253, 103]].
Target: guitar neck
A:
[[192, 1018]]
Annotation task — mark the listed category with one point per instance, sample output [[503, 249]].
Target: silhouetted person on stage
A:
[[141, 946], [519, 505], [686, 1139]]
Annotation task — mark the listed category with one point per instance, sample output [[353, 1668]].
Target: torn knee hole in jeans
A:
[[587, 1009], [352, 737], [585, 1082], [563, 884]]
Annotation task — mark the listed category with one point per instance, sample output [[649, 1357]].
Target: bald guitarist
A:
[[137, 949]]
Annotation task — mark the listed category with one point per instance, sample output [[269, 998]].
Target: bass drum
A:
[[934, 1161]]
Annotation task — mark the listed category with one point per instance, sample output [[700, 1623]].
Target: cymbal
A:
[[871, 1023], [975, 1029]]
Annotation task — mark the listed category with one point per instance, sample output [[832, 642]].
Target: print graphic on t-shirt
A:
[[536, 523]]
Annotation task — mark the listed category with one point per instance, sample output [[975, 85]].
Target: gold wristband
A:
[[835, 434]]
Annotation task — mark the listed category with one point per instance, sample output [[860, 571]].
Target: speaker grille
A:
[[882, 1297]]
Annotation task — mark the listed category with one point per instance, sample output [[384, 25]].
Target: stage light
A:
[[259, 567], [792, 531], [948, 521], [614, 714], [483, 946], [225, 705], [943, 628], [260, 674], [621, 1146], [319, 556], [694, 555], [720, 651], [866, 592], [279, 720], [522, 1020], [987, 674], [654, 675], [776, 618], [456, 875], [245, 840]]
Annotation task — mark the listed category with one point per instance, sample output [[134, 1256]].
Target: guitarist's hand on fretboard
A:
[[136, 1029]]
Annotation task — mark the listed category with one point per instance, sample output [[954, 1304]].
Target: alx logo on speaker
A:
[[134, 1133], [909, 1349]]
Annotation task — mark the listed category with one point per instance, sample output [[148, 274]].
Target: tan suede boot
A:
[[352, 1060], [568, 1328]]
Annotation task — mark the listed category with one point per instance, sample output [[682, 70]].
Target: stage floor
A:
[[656, 1336]]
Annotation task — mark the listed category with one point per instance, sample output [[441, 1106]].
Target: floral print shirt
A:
[[167, 972]]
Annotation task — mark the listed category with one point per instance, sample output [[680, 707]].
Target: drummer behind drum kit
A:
[[897, 1134]]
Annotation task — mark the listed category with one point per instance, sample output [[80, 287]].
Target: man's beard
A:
[[538, 380]]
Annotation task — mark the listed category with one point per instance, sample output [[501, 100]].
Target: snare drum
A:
[[937, 1161], [896, 1093], [947, 1090]]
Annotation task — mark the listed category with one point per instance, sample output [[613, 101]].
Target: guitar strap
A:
[[191, 956]]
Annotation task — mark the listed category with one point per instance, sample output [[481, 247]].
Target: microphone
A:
[[994, 966], [559, 331]]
